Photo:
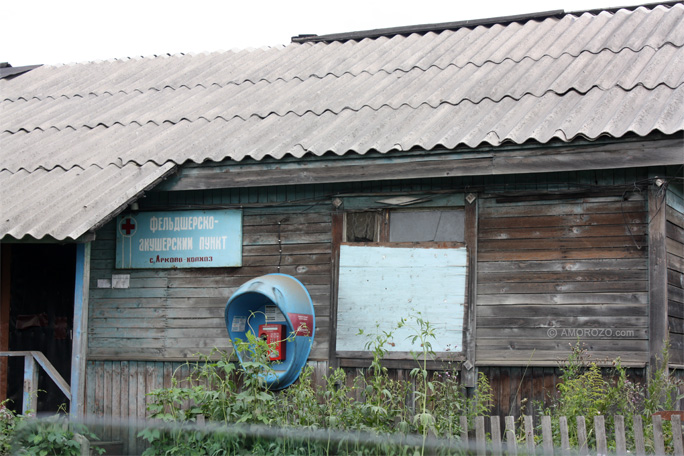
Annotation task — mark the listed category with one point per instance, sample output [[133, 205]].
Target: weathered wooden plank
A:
[[533, 286], [286, 238], [565, 440], [495, 425], [574, 232], [564, 298], [565, 276], [564, 322], [107, 400], [463, 420], [677, 441], [675, 324], [598, 310], [288, 249], [620, 440], [675, 278], [657, 260], [616, 345], [638, 431], [540, 357], [610, 264], [315, 226], [124, 400], [570, 254], [674, 232], [583, 447], [675, 294], [250, 218], [563, 220], [658, 437], [600, 431], [547, 435], [511, 444], [468, 371], [675, 217], [563, 207], [674, 248], [480, 437], [606, 242]]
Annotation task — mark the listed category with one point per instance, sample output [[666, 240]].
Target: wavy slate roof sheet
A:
[[579, 75]]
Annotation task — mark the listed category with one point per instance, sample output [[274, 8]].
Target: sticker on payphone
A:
[[239, 324], [274, 335], [273, 314]]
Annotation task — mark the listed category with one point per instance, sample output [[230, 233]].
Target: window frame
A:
[[465, 356]]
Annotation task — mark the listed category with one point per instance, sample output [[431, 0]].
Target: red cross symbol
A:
[[127, 226]]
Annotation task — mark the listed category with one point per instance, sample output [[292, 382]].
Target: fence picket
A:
[[677, 441], [582, 436], [507, 444], [529, 434], [547, 435], [600, 430], [511, 446], [480, 442], [495, 423], [565, 439], [620, 440], [464, 430], [658, 441], [638, 429]]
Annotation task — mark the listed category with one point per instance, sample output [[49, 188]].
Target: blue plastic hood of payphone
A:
[[277, 299]]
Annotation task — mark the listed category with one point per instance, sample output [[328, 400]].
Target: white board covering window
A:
[[378, 285]]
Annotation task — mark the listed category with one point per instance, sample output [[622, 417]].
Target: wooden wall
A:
[[548, 257], [675, 276], [552, 270], [172, 314]]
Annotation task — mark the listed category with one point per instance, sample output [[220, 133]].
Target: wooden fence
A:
[[589, 440]]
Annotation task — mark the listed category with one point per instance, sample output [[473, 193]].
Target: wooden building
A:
[[517, 181]]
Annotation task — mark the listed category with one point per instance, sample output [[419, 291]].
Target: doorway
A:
[[41, 312]]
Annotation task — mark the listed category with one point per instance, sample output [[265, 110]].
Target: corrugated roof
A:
[[585, 75]]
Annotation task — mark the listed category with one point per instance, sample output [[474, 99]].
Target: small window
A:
[[362, 227], [426, 226]]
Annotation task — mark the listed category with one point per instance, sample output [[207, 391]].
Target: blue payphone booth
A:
[[278, 308]]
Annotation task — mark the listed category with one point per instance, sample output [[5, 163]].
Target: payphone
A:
[[278, 309]]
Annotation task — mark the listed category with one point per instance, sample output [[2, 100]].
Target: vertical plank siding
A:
[[551, 271]]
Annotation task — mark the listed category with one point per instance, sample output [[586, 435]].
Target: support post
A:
[[4, 315], [657, 262], [468, 370], [79, 348], [30, 399]]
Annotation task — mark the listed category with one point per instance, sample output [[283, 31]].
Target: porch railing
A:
[[33, 359]]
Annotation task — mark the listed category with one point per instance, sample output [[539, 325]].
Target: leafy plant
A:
[[51, 436], [8, 422]]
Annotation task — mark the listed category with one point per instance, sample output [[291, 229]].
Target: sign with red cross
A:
[[127, 226]]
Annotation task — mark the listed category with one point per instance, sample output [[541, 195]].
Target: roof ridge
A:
[[469, 23]]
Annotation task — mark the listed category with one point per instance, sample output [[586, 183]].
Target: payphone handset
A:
[[274, 335]]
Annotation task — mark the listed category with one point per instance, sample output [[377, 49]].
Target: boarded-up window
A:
[[380, 285], [418, 266]]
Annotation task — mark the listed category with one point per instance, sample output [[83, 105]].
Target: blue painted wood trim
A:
[[29, 400], [78, 354]]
